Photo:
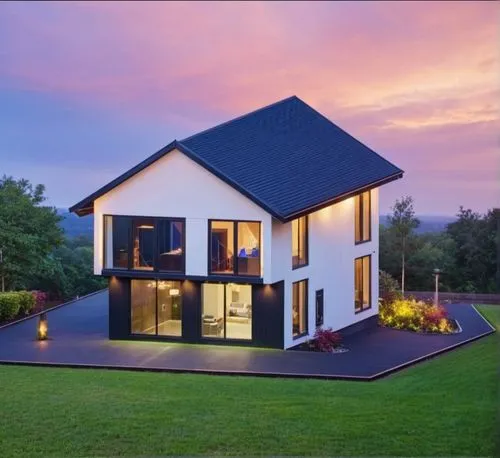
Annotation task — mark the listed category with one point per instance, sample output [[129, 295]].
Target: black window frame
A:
[[156, 334], [359, 222], [235, 272], [130, 261], [306, 250], [363, 309], [305, 332], [224, 337], [320, 317]]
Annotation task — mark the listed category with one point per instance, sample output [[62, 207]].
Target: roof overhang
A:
[[341, 197], [86, 206]]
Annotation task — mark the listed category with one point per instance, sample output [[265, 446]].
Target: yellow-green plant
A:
[[414, 315]]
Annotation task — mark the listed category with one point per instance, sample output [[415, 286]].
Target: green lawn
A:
[[447, 406]]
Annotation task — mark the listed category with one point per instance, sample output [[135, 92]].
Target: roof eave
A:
[[313, 208]]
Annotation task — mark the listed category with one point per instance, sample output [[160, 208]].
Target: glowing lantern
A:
[[42, 330]]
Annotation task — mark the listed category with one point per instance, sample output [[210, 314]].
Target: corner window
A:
[[234, 248], [116, 242], [300, 248], [144, 243], [362, 217], [362, 283], [299, 308]]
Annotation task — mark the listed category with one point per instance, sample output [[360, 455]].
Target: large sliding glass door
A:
[[156, 307], [226, 311]]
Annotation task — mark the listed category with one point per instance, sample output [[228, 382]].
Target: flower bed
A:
[[417, 316], [324, 340]]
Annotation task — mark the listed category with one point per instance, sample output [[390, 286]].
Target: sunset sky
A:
[[87, 90]]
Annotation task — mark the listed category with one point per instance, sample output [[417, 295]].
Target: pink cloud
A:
[[416, 80]]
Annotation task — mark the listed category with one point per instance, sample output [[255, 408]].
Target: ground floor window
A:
[[156, 307], [299, 308], [226, 311], [362, 282]]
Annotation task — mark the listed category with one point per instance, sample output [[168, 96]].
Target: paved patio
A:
[[78, 334]]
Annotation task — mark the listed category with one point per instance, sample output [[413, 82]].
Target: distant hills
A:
[[428, 223], [74, 226]]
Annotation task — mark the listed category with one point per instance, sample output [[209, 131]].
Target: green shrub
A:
[[10, 304], [389, 289], [27, 302]]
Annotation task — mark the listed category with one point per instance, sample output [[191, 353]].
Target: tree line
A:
[[35, 254], [465, 252]]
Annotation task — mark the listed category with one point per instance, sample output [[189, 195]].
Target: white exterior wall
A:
[[176, 186], [331, 266]]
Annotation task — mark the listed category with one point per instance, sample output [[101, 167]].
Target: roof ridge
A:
[[225, 123]]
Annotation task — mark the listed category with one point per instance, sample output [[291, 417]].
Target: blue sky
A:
[[88, 89]]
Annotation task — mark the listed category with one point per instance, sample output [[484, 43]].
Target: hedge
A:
[[27, 302], [13, 303]]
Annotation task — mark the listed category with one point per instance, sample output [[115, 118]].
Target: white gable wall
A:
[[176, 186], [331, 266]]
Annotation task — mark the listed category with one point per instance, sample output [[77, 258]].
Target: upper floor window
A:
[[300, 245], [362, 217], [144, 243], [234, 247]]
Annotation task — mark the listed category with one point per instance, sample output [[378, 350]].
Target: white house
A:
[[254, 232]]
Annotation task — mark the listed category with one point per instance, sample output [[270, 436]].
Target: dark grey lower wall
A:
[[119, 308], [267, 314]]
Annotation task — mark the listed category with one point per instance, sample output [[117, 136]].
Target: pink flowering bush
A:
[[325, 340], [40, 299]]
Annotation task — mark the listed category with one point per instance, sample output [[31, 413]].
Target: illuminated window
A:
[[234, 247], [226, 311], [300, 242], [362, 283], [362, 218], [144, 243], [299, 308], [156, 307]]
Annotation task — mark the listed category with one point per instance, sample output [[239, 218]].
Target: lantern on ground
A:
[[42, 328]]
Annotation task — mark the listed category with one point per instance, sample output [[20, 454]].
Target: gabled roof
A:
[[286, 157]]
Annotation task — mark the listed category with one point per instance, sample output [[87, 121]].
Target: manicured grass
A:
[[447, 406]]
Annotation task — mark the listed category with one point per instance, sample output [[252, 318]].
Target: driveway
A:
[[79, 329]]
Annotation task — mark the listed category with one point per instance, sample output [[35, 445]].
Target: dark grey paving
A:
[[79, 337]]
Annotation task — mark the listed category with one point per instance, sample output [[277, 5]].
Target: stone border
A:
[[423, 333], [20, 320]]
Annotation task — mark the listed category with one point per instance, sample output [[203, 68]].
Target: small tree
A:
[[403, 222]]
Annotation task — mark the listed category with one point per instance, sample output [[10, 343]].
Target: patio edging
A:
[[34, 315], [223, 372]]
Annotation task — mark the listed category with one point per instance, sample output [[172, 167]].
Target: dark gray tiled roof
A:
[[290, 157], [286, 157]]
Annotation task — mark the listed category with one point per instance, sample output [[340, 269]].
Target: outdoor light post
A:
[[436, 293]]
